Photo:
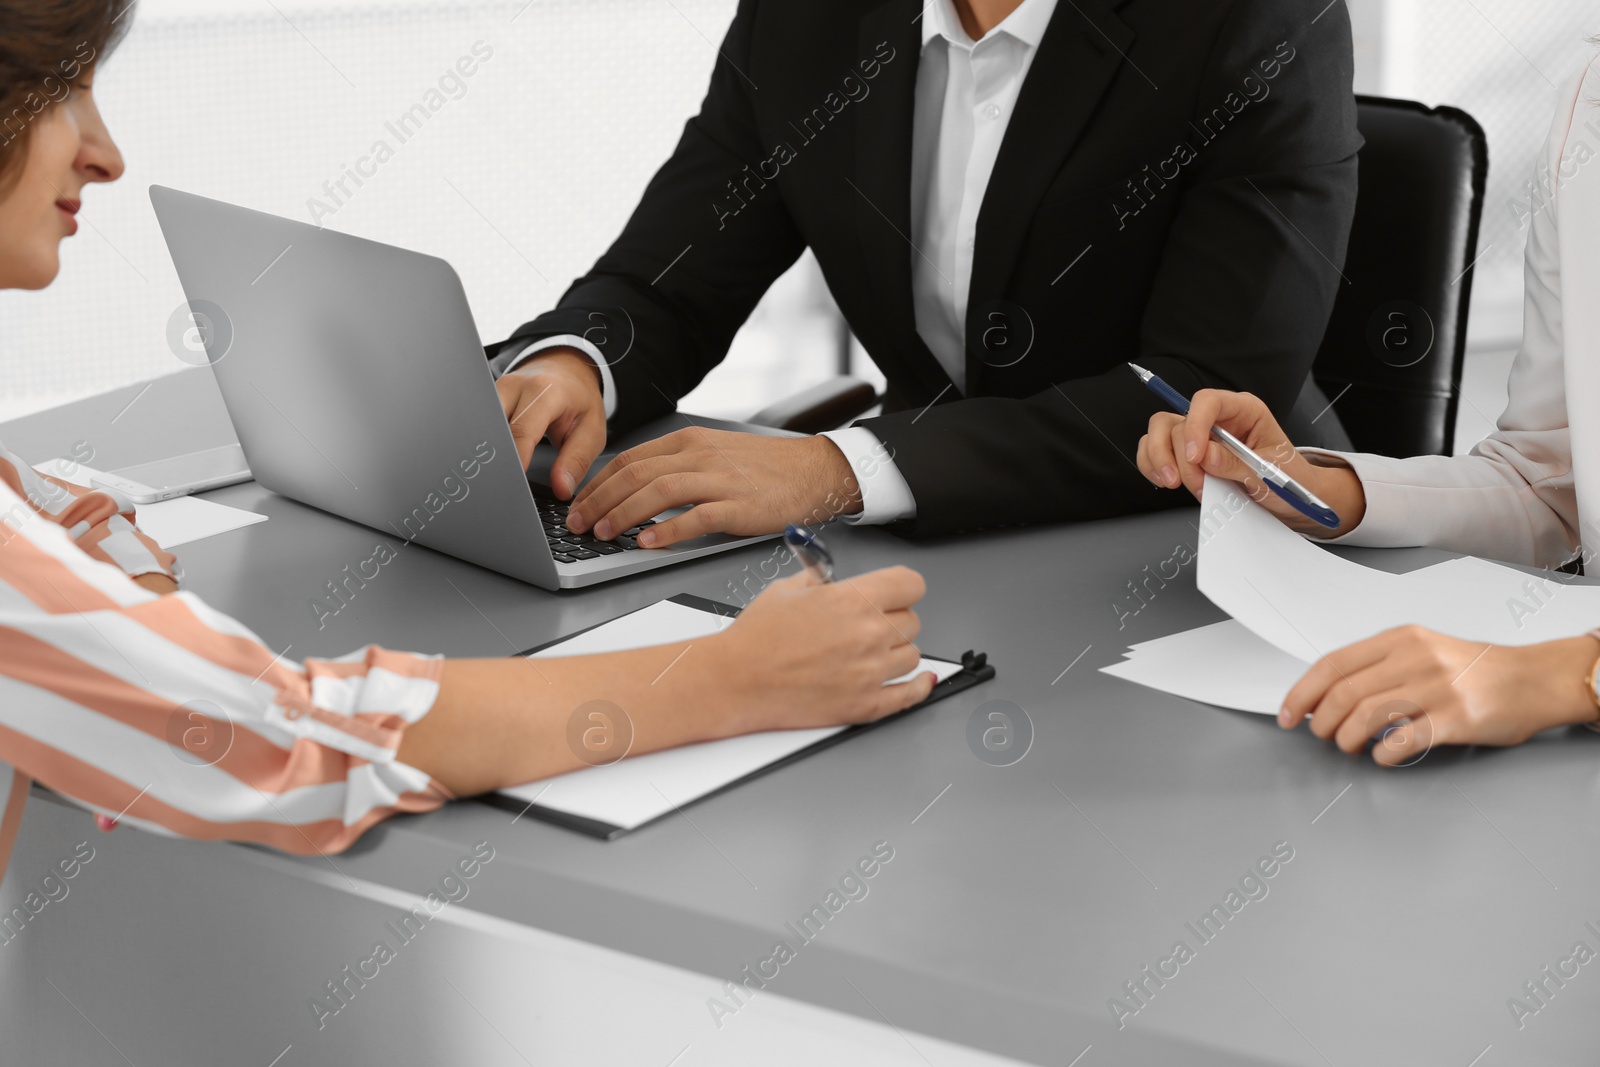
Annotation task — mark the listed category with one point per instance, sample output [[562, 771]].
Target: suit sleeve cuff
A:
[[608, 386], [885, 496], [1386, 521]]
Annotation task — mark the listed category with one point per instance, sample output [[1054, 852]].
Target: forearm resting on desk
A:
[[801, 655], [503, 722]]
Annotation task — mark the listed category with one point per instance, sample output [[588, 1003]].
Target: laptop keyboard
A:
[[569, 547]]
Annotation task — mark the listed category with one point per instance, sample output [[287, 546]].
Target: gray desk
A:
[[1019, 901]]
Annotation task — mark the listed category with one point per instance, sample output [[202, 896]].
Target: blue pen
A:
[[811, 551], [1292, 492]]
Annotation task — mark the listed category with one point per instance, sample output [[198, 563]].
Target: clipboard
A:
[[792, 746]]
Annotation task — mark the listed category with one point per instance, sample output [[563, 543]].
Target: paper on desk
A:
[[659, 624], [1308, 601], [179, 521], [633, 791], [185, 519], [1222, 664], [1292, 602]]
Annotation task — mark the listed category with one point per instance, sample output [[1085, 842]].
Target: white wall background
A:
[[520, 182], [1503, 62], [523, 181]]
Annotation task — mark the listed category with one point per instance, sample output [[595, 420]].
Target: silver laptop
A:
[[356, 382]]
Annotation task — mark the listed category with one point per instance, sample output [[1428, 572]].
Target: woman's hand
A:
[[802, 654], [1178, 450], [805, 653], [160, 584], [1441, 690]]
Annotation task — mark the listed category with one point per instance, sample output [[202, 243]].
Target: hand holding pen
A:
[[1181, 449]]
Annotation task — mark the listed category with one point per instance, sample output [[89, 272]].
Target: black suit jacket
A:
[[1175, 187]]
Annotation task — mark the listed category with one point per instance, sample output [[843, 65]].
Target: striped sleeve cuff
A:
[[361, 704]]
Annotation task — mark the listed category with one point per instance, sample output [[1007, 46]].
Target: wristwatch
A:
[[1594, 686]]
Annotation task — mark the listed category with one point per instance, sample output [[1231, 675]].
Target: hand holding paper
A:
[[1294, 603], [1435, 689], [1309, 601]]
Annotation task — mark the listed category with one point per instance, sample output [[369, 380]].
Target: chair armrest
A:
[[827, 406]]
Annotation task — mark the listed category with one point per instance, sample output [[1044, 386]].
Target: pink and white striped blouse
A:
[[162, 713]]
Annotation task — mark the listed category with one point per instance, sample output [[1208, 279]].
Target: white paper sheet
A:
[[179, 521], [1222, 664], [659, 624], [1297, 596], [186, 519], [1309, 601], [1293, 602], [633, 791]]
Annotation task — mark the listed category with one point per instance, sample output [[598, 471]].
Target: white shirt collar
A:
[[1027, 23]]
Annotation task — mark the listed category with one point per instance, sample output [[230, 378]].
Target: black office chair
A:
[[1391, 357]]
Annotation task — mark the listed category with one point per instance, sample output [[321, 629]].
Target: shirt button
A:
[[992, 112]]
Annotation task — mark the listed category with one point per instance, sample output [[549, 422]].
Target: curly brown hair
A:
[[45, 47]]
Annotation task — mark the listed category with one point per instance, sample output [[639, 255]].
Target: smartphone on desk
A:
[[163, 479]]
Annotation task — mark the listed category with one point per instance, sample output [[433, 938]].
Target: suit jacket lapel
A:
[[1080, 52], [882, 183]]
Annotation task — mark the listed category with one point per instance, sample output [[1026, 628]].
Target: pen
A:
[[1293, 493], [811, 551]]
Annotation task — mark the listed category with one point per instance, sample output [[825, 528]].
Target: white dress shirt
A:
[[965, 94], [608, 387]]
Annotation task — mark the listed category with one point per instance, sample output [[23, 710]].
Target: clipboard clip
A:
[[977, 664]]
